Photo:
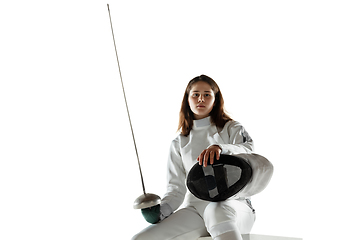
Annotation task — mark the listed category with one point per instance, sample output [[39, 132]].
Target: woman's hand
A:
[[209, 153]]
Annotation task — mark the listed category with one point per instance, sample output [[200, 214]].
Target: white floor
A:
[[258, 237]]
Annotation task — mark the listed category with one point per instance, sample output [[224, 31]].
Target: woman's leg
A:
[[185, 224], [229, 236], [228, 219]]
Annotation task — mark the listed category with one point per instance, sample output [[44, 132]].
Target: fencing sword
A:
[[146, 200]]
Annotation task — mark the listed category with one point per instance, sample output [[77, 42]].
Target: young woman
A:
[[206, 131]]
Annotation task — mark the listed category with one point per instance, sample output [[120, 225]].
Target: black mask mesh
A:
[[217, 182]]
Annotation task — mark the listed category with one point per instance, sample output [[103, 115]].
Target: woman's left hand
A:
[[209, 153]]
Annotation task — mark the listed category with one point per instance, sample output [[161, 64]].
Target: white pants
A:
[[200, 219]]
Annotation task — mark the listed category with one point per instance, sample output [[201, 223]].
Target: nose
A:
[[201, 98]]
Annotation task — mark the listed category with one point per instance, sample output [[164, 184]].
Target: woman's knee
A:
[[217, 212], [224, 216], [138, 236], [148, 233]]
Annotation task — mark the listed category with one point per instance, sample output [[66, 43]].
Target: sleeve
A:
[[176, 175], [239, 140]]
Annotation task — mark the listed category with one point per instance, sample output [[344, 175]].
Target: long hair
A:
[[218, 115]]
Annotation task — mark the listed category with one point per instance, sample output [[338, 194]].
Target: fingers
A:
[[201, 157], [218, 154], [209, 155], [212, 157], [206, 157]]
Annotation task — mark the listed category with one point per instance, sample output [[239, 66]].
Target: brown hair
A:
[[218, 115]]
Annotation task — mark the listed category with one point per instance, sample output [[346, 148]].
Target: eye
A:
[[195, 95], [207, 95]]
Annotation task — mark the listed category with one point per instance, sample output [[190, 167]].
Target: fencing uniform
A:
[[198, 217]]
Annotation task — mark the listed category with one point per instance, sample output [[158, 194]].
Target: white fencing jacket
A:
[[232, 139]]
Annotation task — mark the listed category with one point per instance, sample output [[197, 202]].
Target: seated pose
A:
[[205, 132]]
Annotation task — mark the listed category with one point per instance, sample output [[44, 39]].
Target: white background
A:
[[288, 70]]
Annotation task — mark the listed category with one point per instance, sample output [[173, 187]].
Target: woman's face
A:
[[201, 99]]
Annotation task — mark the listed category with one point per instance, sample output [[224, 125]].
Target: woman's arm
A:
[[237, 141], [176, 188]]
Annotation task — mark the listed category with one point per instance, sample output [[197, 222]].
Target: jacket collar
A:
[[204, 122]]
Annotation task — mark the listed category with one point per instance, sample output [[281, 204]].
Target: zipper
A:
[[249, 204]]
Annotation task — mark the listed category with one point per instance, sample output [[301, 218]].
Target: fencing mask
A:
[[242, 174]]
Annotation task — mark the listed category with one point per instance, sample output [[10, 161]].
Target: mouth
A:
[[200, 106]]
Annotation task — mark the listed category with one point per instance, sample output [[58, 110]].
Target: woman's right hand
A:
[[210, 153]]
